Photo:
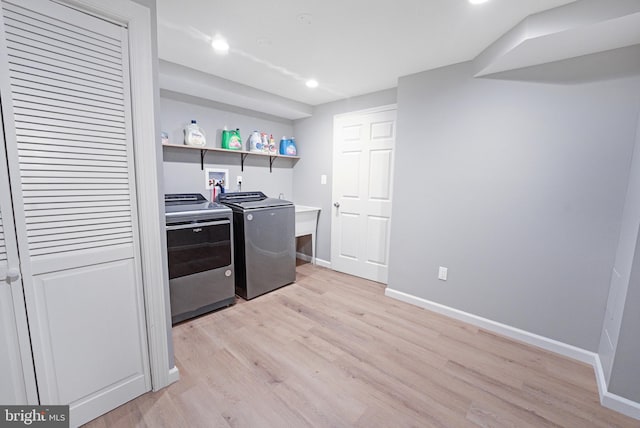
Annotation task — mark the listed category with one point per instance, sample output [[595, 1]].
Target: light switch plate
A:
[[442, 273], [323, 179]]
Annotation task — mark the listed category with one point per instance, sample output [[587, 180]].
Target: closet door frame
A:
[[146, 150]]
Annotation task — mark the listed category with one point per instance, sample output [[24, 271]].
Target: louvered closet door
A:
[[12, 385], [73, 166], [3, 251], [17, 381]]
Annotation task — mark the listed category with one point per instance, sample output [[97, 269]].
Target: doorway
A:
[[363, 158]]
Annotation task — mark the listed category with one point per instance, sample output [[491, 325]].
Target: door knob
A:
[[13, 274], [336, 204]]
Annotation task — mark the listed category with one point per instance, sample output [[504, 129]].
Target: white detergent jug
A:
[[194, 135], [255, 142]]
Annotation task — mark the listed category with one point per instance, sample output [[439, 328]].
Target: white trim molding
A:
[[607, 399], [323, 263], [308, 258], [174, 375], [496, 327], [304, 257], [611, 400], [377, 109]]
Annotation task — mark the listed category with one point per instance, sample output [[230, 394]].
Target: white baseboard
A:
[[600, 377], [323, 263], [303, 256], [174, 375], [319, 262], [503, 329], [611, 400], [607, 399]]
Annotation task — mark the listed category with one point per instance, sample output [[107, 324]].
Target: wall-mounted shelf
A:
[[243, 154]]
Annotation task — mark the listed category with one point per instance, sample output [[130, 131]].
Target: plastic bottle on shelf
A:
[[273, 150], [288, 147], [231, 139], [292, 150], [255, 142], [194, 135]]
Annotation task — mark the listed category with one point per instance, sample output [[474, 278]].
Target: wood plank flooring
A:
[[332, 351]]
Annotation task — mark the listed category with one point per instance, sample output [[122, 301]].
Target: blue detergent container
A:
[[288, 147]]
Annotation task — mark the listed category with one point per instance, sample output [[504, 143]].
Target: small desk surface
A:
[[304, 208], [306, 224]]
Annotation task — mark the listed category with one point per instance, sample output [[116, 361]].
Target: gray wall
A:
[[182, 173], [625, 375], [314, 137], [518, 188]]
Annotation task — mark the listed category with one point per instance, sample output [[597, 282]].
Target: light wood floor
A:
[[332, 351]]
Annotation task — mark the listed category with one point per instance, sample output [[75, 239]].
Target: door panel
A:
[[349, 235], [16, 369], [380, 174], [71, 162], [17, 385], [350, 184], [382, 130], [88, 356], [362, 192], [351, 133], [3, 250], [377, 240], [12, 388]]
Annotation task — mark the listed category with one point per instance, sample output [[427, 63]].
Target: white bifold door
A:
[[17, 385], [67, 125]]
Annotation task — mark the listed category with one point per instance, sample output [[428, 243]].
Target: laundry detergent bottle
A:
[[231, 139], [273, 149], [194, 135], [288, 147], [255, 142]]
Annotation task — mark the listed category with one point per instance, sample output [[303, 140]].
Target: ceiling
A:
[[351, 47]]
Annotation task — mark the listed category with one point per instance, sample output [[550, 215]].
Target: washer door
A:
[[198, 247]]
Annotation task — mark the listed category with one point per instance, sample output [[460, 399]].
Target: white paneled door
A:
[[363, 147], [70, 156]]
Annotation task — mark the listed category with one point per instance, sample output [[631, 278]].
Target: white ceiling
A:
[[351, 47]]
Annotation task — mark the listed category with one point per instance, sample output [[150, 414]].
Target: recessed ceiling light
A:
[[478, 1], [220, 45], [312, 83]]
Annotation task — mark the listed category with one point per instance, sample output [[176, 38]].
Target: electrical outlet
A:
[[442, 273], [239, 179], [323, 179]]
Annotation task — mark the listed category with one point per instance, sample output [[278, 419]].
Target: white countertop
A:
[[306, 224], [305, 208]]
